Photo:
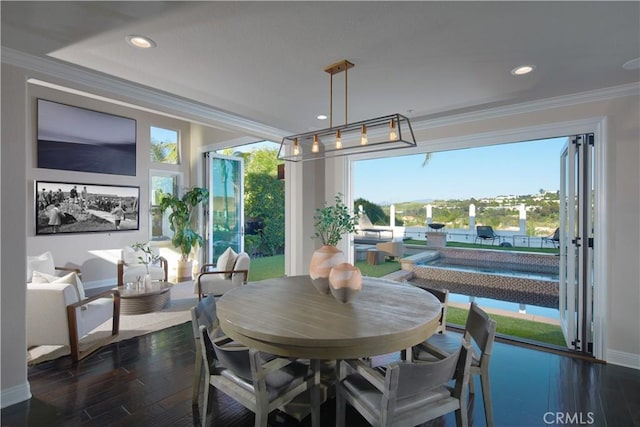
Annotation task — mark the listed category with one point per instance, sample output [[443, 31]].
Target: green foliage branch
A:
[[264, 198], [148, 257], [333, 222], [181, 219]]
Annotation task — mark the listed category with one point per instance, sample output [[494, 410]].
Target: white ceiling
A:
[[265, 60]]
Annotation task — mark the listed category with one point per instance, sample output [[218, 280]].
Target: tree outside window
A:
[[161, 182], [164, 146]]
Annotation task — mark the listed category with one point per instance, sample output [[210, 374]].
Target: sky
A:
[[506, 169]]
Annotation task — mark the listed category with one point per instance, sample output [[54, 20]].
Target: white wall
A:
[[13, 225], [96, 253]]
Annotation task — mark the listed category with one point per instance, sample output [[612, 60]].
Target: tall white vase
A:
[[322, 261]]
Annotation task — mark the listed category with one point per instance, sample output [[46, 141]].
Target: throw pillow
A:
[[43, 263], [231, 263], [226, 261], [70, 279], [39, 277], [130, 255]]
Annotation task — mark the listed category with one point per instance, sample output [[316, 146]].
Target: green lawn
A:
[[378, 270], [520, 328], [268, 267]]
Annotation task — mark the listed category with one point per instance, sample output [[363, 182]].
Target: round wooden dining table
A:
[[287, 316]]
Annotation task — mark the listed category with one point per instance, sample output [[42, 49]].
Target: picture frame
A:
[[72, 207], [83, 140]]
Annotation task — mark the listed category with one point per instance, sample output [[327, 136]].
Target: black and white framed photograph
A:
[[68, 207], [78, 139]]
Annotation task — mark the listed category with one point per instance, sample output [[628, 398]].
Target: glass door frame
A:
[[596, 125], [209, 244]]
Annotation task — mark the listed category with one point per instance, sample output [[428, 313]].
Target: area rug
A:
[[176, 313]]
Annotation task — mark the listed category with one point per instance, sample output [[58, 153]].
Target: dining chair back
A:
[[261, 383], [202, 314], [443, 297], [480, 332], [405, 393]]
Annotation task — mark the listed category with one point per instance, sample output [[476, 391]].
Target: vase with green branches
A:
[[332, 223], [148, 256]]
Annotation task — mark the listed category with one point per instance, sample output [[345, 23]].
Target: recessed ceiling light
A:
[[523, 69], [322, 117], [634, 64], [140, 42]]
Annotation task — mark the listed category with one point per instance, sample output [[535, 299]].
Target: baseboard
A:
[[629, 360], [15, 394]]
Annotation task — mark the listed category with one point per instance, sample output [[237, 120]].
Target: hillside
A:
[[500, 212]]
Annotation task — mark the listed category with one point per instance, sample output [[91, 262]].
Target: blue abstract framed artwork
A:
[[78, 139]]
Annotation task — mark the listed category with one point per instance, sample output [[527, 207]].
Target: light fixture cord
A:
[[331, 101], [346, 72]]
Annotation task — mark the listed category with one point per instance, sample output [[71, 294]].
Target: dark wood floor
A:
[[146, 381]]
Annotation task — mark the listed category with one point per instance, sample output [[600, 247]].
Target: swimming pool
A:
[[522, 278], [506, 269]]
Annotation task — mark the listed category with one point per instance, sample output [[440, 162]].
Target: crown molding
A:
[[528, 107], [164, 103], [139, 96]]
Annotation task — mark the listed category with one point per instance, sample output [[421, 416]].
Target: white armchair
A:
[[216, 279], [58, 313], [130, 267]]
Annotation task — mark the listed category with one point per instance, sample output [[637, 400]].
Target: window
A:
[[164, 146], [162, 182]]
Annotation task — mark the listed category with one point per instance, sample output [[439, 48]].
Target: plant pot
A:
[[345, 282], [184, 271], [322, 261]]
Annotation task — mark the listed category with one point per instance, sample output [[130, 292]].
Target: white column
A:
[[429, 213], [523, 219], [392, 216], [472, 217]]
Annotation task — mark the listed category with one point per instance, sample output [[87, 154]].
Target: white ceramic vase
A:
[[322, 261], [345, 282]]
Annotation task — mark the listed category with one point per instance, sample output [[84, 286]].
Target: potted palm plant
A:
[[332, 223], [182, 223]]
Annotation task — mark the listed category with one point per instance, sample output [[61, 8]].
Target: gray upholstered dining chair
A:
[[443, 297], [203, 314], [405, 393], [480, 332], [261, 383]]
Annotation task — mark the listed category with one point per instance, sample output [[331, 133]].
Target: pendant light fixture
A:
[[381, 133]]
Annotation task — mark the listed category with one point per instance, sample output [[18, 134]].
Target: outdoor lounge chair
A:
[[485, 232], [554, 239]]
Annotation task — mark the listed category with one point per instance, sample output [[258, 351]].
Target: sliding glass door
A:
[[225, 212], [577, 243]]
